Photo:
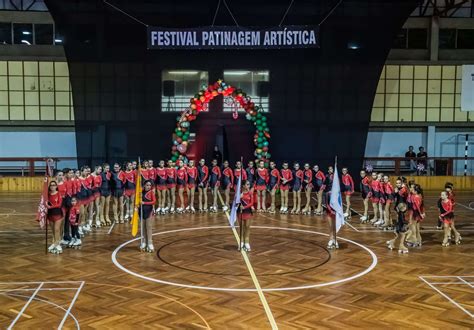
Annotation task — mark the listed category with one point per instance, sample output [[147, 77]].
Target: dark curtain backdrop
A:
[[320, 99]]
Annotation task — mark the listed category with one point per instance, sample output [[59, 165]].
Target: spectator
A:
[[421, 160], [216, 154], [411, 155]]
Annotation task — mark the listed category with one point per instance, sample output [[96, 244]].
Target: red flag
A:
[[43, 204]]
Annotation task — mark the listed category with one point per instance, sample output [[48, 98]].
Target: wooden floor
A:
[[197, 279]]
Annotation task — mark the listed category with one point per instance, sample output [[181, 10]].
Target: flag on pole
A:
[[42, 213], [138, 200], [336, 200], [236, 202]]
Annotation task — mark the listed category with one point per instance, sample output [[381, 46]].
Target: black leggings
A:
[[67, 225], [75, 232]]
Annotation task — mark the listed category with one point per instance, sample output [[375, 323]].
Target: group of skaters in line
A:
[[80, 199]]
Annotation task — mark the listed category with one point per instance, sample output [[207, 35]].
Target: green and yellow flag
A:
[[138, 200]]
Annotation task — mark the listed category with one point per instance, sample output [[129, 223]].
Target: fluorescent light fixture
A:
[[58, 40], [183, 72], [263, 73], [26, 33], [25, 42], [352, 45], [236, 73]]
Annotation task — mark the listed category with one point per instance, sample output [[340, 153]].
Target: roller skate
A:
[[192, 210], [331, 244], [225, 208], [108, 222], [71, 243], [241, 246], [80, 231], [172, 210], [150, 248], [247, 247], [98, 224], [458, 239], [293, 211], [187, 209], [51, 248], [142, 246], [77, 244], [281, 209], [364, 219], [318, 212], [445, 242], [179, 210], [205, 210], [390, 245], [158, 210], [58, 249], [403, 250]]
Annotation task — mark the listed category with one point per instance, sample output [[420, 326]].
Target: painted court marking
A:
[[451, 300], [310, 286]]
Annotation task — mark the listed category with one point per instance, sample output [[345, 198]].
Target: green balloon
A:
[[259, 114], [259, 127], [258, 121], [260, 134], [260, 146], [265, 143], [177, 130], [259, 140], [179, 133], [264, 118], [268, 155]]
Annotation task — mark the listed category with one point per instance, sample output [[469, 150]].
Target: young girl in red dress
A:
[[365, 193], [227, 184], [308, 187], [129, 188], [348, 189], [171, 185], [73, 220], [202, 183], [55, 216], [214, 183], [238, 171], [146, 211], [375, 192], [286, 180], [96, 184], [446, 216], [273, 185], [418, 213], [182, 182], [318, 185], [297, 187], [192, 173], [161, 189], [246, 210], [261, 181], [389, 194]]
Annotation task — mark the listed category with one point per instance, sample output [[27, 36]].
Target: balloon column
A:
[[200, 102]]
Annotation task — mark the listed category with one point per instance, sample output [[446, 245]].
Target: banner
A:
[[233, 37], [467, 90], [42, 213]]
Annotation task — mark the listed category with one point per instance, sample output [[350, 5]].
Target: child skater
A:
[[89, 182], [446, 215], [129, 192], [105, 193], [118, 180], [297, 187], [327, 188], [214, 182], [381, 203], [97, 183], [261, 181], [401, 229], [348, 189], [171, 185], [246, 210], [273, 185], [73, 219], [286, 180], [449, 188], [365, 193], [146, 218], [375, 192], [160, 181], [203, 177], [227, 184], [318, 182], [418, 213], [389, 196], [238, 171], [70, 192], [308, 187], [55, 216], [192, 174], [250, 171], [181, 181]]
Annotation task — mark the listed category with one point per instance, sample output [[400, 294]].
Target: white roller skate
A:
[[179, 210], [51, 248], [193, 210], [97, 223], [150, 248], [71, 242], [158, 210], [187, 209], [58, 249], [281, 209], [142, 246], [77, 243], [331, 244], [247, 247], [80, 231], [241, 246], [379, 222], [363, 219], [172, 210], [225, 208]]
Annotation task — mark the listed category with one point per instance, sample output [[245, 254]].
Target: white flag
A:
[[336, 200], [236, 202]]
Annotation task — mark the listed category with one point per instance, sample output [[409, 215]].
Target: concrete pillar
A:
[[434, 38], [431, 146]]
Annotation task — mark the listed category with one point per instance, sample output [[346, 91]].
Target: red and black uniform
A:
[[347, 184], [375, 191], [83, 192], [237, 173], [318, 180], [145, 172], [215, 177], [365, 187], [118, 182], [446, 211], [192, 173], [246, 200], [286, 175], [418, 208], [97, 183], [308, 178], [452, 198], [409, 203], [170, 177], [73, 221], [182, 177], [250, 171], [105, 189], [274, 181], [203, 176], [89, 187], [55, 203], [262, 179], [401, 196], [160, 179], [227, 178], [129, 184], [62, 190], [151, 174], [298, 180], [77, 189], [389, 193], [149, 200]]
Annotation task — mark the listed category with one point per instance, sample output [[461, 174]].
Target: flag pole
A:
[[334, 223], [46, 238], [241, 231], [141, 210]]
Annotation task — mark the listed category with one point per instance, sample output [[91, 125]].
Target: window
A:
[[23, 33], [5, 33], [44, 34], [417, 38], [252, 83], [179, 86], [447, 38], [465, 39]]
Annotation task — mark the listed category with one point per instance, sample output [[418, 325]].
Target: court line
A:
[[263, 300], [25, 306], [447, 297], [70, 305], [468, 283], [449, 283], [24, 314], [47, 302], [345, 221], [51, 289], [447, 276], [465, 206]]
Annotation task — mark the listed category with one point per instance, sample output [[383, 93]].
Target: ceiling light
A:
[[58, 41], [236, 73], [183, 72], [26, 32]]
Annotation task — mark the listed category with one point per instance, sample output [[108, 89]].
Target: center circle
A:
[[318, 255], [290, 288]]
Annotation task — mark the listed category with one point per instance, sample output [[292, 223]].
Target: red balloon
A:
[[179, 140], [265, 149], [173, 148]]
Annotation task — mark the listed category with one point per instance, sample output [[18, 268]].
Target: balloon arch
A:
[[232, 96]]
